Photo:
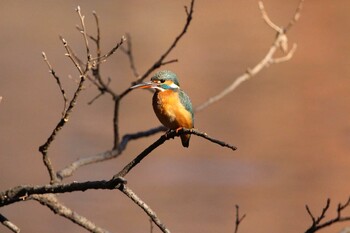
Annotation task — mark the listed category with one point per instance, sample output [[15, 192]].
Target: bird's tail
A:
[[185, 139]]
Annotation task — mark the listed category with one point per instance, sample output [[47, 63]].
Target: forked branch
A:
[[239, 219], [319, 222], [160, 61], [280, 42]]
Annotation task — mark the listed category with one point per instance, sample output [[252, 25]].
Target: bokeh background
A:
[[290, 123]]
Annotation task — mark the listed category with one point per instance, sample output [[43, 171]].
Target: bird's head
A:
[[161, 81]]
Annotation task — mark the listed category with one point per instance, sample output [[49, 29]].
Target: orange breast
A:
[[169, 110]]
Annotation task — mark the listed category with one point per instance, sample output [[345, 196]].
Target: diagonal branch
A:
[[130, 194], [161, 140], [7, 223], [53, 204], [160, 61], [70, 169], [52, 71], [281, 42], [111, 52]]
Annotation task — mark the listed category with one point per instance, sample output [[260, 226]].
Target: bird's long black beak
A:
[[144, 85]]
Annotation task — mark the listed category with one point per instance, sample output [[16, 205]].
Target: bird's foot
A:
[[178, 129], [167, 133]]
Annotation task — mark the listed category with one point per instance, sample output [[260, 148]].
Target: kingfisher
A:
[[170, 103]]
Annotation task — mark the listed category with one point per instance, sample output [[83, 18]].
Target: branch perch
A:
[[161, 140]]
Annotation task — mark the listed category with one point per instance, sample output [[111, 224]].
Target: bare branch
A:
[[281, 42], [116, 123], [310, 214], [159, 62], [168, 62], [53, 204], [71, 56], [317, 222], [238, 219], [88, 54], [129, 193], [161, 140], [128, 52], [98, 37], [7, 223], [296, 16], [65, 100], [151, 225], [24, 192], [44, 148], [285, 58], [111, 52], [267, 19], [69, 170]]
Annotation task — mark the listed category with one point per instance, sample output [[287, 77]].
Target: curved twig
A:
[[281, 42], [160, 61], [69, 170]]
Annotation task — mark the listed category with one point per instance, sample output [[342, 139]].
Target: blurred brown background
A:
[[290, 123]]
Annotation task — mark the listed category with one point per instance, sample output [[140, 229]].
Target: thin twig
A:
[[160, 61], [10, 225], [151, 225], [52, 71], [238, 219], [54, 205], [88, 54], [129, 193], [296, 17], [44, 148], [285, 58], [111, 52], [317, 222], [71, 56], [129, 53], [267, 19], [116, 123], [70, 169]]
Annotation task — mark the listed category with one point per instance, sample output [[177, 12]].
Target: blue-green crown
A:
[[165, 75]]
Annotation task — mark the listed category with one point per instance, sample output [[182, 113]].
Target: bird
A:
[[171, 104]]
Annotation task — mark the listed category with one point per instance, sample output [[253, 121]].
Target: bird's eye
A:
[[161, 80]]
